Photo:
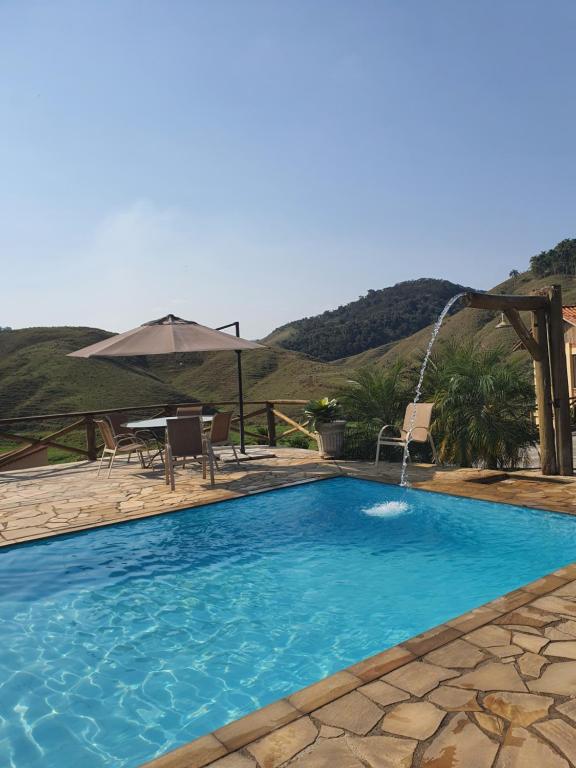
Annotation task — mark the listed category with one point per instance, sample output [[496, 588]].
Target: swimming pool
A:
[[120, 643]]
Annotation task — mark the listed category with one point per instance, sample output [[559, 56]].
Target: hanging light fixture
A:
[[503, 321]]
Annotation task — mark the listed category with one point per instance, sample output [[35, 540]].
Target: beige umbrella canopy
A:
[[169, 335]]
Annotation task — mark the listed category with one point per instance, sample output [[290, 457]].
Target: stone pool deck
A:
[[493, 688]]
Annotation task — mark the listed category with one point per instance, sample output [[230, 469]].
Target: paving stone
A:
[[568, 627], [520, 708], [523, 629], [432, 639], [376, 666], [324, 691], [530, 664], [558, 678], [382, 751], [566, 590], [568, 709], [489, 636], [553, 633], [460, 744], [527, 615], [418, 720], [565, 649], [454, 699], [353, 712], [528, 642], [327, 753], [490, 723], [492, 676], [235, 760], [458, 653], [562, 735], [505, 651], [382, 693], [259, 723], [282, 744], [512, 600], [557, 605], [419, 677], [544, 585], [521, 749], [193, 755], [328, 732], [473, 619]]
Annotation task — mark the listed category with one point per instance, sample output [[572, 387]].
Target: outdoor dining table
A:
[[160, 422], [157, 425]]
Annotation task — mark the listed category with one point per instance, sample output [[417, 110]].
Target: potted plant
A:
[[329, 428]]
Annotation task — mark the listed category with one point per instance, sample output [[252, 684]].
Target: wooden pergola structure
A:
[[545, 343]]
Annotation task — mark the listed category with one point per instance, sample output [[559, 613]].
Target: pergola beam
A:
[[524, 334], [501, 303]]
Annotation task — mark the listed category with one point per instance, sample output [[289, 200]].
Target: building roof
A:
[[569, 314]]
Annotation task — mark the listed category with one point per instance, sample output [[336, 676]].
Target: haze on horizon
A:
[[264, 161]]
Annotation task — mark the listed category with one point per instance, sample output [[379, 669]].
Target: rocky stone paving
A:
[[36, 503], [494, 688]]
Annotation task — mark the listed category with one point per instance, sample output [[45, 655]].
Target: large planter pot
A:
[[330, 436]]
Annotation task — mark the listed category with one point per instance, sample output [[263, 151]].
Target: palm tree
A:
[[482, 409], [377, 394]]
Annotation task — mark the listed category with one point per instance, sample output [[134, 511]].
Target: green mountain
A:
[[380, 318], [472, 323]]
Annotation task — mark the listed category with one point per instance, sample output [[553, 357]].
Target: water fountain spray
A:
[[435, 332]]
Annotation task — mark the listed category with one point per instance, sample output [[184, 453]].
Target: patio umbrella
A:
[[169, 335]]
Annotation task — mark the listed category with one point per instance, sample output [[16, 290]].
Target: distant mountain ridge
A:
[[379, 318], [37, 377]]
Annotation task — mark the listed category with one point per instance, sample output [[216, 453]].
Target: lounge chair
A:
[[189, 410], [145, 435], [420, 430], [119, 444], [220, 434], [184, 438]]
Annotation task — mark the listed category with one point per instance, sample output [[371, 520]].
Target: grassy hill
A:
[[37, 377], [381, 317]]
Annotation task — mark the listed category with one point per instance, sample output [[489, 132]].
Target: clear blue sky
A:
[[263, 161]]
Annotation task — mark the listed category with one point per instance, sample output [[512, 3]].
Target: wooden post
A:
[[544, 396], [271, 420], [91, 438], [560, 382]]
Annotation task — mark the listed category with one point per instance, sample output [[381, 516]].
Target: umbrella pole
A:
[[241, 402], [236, 325]]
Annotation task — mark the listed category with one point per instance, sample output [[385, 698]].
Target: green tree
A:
[[482, 405], [560, 260]]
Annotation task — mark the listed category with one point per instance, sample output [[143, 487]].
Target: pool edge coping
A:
[[240, 733]]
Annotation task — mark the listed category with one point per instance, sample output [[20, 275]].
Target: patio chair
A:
[[420, 430], [189, 410], [184, 438], [146, 435], [220, 434], [119, 444]]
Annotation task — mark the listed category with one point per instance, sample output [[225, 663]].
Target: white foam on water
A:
[[387, 509]]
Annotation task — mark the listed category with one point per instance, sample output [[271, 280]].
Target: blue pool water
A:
[[120, 643]]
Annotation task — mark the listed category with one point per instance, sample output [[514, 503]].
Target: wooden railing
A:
[[267, 411]]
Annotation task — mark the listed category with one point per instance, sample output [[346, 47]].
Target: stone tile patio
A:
[[494, 688]]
